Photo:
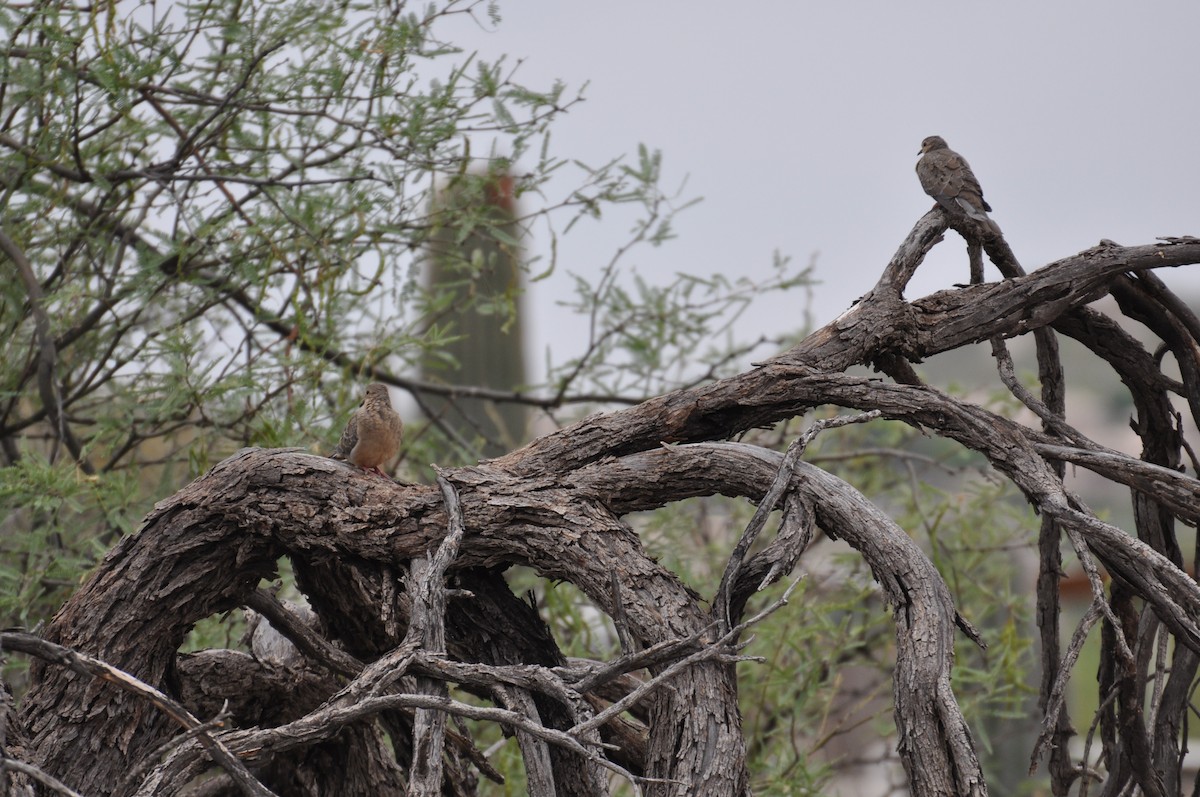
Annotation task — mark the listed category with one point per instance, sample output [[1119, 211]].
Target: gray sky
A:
[[799, 124]]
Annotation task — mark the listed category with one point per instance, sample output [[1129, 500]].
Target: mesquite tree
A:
[[207, 210], [556, 506]]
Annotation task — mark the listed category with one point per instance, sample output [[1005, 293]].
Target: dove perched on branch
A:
[[946, 176], [372, 435]]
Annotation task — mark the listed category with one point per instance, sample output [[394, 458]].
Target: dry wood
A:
[[556, 506]]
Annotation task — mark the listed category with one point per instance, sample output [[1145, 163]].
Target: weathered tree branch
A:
[[83, 664], [555, 506]]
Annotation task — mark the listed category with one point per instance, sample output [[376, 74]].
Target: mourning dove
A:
[[373, 433], [946, 176]]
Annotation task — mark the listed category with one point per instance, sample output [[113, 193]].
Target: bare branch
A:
[[89, 665], [780, 483], [49, 781], [428, 625]]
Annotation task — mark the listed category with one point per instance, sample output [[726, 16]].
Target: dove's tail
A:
[[980, 216]]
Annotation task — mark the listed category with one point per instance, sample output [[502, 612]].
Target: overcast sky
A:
[[799, 124]]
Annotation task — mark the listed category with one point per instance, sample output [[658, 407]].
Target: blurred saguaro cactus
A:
[[476, 287]]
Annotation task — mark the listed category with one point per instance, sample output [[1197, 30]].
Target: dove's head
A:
[[377, 392], [931, 143]]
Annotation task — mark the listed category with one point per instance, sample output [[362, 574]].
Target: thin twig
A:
[[304, 638], [1093, 576], [721, 603], [604, 672], [1052, 420], [1058, 693], [149, 760], [89, 665], [713, 650], [44, 778]]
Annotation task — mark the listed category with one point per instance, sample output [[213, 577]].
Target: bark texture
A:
[[369, 678]]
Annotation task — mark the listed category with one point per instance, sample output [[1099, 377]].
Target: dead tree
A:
[[407, 585]]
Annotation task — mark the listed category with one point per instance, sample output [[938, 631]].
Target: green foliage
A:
[[222, 205], [822, 692], [42, 558], [647, 338]]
